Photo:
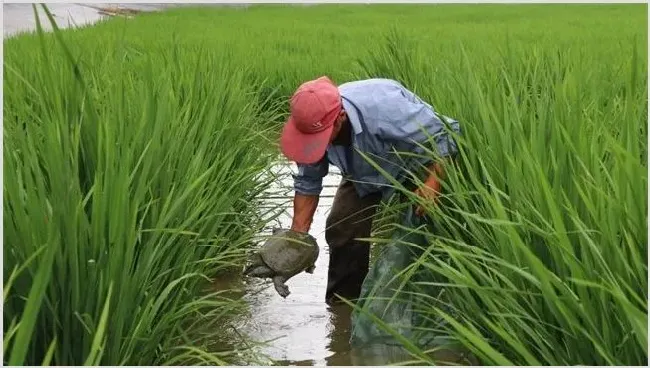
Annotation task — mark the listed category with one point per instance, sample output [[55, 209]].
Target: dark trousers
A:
[[350, 218]]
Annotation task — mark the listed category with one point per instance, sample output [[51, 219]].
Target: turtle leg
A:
[[310, 269], [257, 268], [260, 271], [280, 287]]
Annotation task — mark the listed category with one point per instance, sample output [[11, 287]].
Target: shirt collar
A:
[[353, 115]]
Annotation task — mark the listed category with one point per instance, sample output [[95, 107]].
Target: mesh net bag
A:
[[389, 292]]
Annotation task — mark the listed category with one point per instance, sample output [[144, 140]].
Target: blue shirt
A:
[[386, 119]]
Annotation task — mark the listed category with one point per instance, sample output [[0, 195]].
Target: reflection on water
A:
[[339, 336], [343, 355], [337, 343]]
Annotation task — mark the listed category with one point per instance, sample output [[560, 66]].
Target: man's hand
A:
[[429, 191]]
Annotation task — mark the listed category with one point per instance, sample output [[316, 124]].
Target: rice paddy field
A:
[[136, 153]]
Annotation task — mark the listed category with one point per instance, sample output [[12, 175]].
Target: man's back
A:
[[385, 118]]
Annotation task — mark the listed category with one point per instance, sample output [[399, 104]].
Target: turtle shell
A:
[[289, 252]]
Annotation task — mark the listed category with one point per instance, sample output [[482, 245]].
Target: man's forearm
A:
[[304, 207], [436, 174], [431, 188]]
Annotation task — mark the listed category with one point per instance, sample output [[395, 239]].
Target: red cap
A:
[[314, 108]]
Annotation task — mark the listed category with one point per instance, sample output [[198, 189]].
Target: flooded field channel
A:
[[302, 329]]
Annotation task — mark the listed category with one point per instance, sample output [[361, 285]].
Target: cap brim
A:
[[304, 148]]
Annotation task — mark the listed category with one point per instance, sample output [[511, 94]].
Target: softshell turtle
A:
[[285, 254]]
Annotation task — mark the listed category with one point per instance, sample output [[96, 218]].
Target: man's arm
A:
[[304, 207], [431, 186], [436, 173], [411, 125], [308, 184]]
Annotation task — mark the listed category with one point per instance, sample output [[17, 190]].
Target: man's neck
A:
[[344, 137]]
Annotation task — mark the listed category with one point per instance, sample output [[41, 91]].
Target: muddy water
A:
[[302, 329]]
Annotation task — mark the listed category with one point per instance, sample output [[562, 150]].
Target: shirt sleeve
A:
[[409, 122], [309, 179]]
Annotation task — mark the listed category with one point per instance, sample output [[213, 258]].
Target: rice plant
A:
[[129, 181], [136, 154], [540, 240]]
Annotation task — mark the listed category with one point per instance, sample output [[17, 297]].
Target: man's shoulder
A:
[[371, 96], [365, 85], [376, 99]]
